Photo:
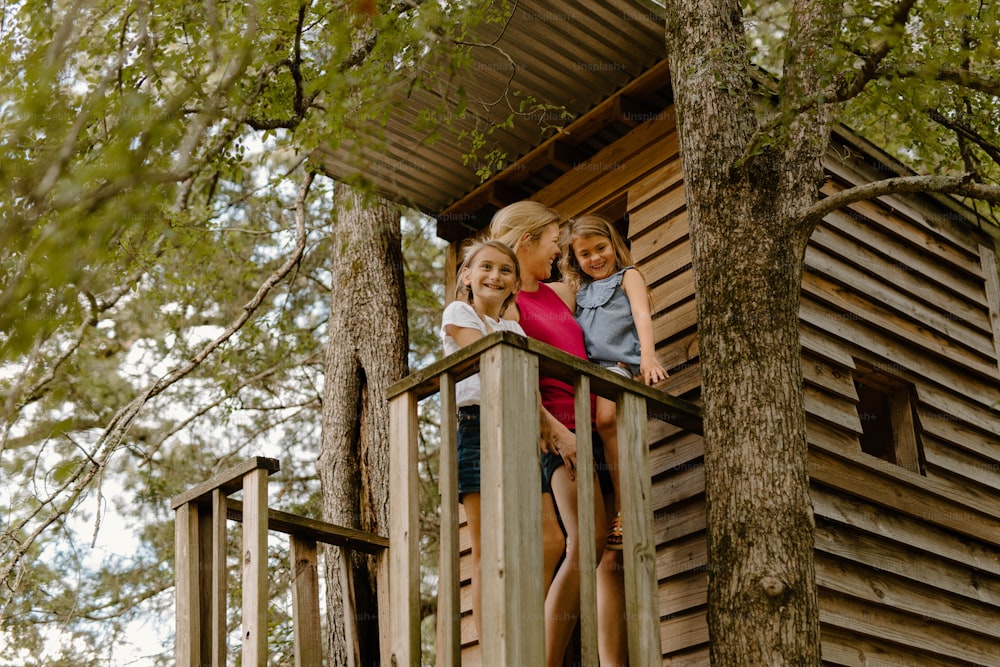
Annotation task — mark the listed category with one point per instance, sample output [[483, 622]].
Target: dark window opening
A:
[[888, 423]]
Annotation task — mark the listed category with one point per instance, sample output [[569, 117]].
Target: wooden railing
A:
[[511, 570], [201, 574], [512, 586]]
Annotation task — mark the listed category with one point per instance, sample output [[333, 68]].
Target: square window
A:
[[888, 424]]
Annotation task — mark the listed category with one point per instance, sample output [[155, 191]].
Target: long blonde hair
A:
[[515, 220], [583, 227], [464, 292]]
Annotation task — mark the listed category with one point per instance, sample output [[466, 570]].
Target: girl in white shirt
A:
[[488, 279]]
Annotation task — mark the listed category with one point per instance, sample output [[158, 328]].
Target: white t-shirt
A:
[[462, 314]]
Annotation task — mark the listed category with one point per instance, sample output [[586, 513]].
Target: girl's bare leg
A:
[[562, 604], [471, 503], [553, 540], [612, 638], [607, 428]]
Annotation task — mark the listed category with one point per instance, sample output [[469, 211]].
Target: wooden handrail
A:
[[320, 531], [200, 547], [228, 481], [552, 362]]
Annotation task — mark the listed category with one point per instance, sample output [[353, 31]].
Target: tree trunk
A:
[[366, 352], [748, 243]]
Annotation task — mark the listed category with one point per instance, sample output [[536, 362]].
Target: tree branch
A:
[[114, 433], [960, 76], [953, 185], [846, 86], [850, 84], [967, 133]]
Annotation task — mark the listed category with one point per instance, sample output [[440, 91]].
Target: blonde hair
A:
[[584, 227], [464, 292], [515, 220]]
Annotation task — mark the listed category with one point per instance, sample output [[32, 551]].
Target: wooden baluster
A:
[[187, 642], [305, 602], [254, 567], [641, 592], [216, 613], [512, 581], [449, 645], [404, 535], [585, 517]]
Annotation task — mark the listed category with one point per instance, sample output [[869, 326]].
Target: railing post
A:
[[586, 530], [217, 604], [641, 586], [512, 581], [187, 553], [403, 645], [449, 646], [306, 628], [255, 568]]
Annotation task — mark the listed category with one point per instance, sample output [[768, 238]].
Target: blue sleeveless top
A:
[[605, 315]]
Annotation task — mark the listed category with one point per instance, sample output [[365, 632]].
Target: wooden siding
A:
[[908, 562]]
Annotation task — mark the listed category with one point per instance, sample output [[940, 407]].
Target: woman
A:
[[545, 312]]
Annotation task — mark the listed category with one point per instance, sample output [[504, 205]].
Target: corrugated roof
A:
[[570, 55]]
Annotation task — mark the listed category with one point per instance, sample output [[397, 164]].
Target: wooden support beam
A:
[[991, 274], [554, 363], [512, 581], [321, 531]]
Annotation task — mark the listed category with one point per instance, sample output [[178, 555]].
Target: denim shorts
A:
[[469, 476], [551, 463]]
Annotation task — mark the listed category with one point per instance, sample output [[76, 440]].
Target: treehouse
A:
[[900, 335]]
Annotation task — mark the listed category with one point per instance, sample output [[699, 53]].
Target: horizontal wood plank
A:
[[873, 588], [881, 350], [927, 569], [961, 465], [892, 270], [836, 412], [843, 304], [229, 481], [846, 648], [668, 204], [890, 486], [914, 533], [941, 317], [663, 179], [920, 635], [946, 243], [321, 531]]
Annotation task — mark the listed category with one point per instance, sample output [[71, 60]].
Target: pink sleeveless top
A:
[[545, 317]]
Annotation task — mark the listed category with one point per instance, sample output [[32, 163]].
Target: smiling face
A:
[[536, 256], [491, 276], [595, 255]]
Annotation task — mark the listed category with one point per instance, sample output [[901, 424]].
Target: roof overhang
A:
[[569, 57]]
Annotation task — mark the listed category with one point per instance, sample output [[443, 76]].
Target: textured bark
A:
[[748, 239], [366, 352]]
